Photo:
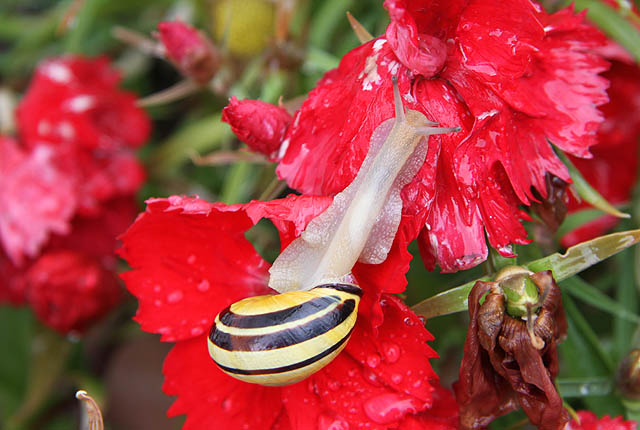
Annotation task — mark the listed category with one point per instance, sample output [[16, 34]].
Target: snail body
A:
[[283, 338]]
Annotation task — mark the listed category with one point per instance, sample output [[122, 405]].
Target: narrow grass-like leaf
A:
[[361, 33], [575, 260], [584, 387], [627, 298], [613, 23], [585, 331], [587, 192], [582, 290]]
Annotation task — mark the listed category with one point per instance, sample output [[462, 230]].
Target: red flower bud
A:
[[190, 50], [260, 125]]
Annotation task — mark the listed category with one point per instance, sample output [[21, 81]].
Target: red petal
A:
[[589, 421], [75, 99], [200, 263], [212, 399], [290, 215], [397, 353], [260, 125], [36, 198], [68, 291]]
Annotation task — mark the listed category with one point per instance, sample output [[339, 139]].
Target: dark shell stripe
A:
[[289, 367], [346, 288], [287, 337], [294, 313]]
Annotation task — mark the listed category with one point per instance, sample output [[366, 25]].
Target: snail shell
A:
[[283, 338]]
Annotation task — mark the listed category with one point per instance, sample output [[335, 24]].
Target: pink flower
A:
[[191, 259], [512, 76]]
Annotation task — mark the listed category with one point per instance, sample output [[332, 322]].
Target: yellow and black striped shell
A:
[[281, 339]]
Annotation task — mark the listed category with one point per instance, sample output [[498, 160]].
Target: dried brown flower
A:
[[508, 363]]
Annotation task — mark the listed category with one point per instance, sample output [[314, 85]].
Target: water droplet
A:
[[157, 302], [352, 372], [396, 378], [584, 389], [203, 286], [191, 259], [417, 384], [175, 297], [156, 288], [391, 351], [387, 408], [422, 319], [373, 360], [334, 385], [226, 405], [164, 330], [197, 331], [353, 410], [371, 378], [408, 321], [326, 422]]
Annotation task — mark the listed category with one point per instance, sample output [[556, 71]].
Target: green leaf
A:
[[613, 23], [627, 298], [575, 260], [582, 290], [16, 326], [587, 192], [584, 387]]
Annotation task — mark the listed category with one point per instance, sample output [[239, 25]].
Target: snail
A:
[[281, 339]]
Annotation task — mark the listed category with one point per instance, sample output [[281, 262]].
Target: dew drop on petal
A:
[[164, 330], [334, 385], [203, 286], [326, 422], [157, 302], [226, 405], [387, 408], [197, 331], [396, 378], [174, 297], [371, 378], [408, 321], [391, 352], [422, 319], [191, 259], [373, 360], [352, 372], [156, 288]]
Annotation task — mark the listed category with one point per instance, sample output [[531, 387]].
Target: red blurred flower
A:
[[67, 190], [613, 169], [510, 75], [190, 50], [191, 259], [589, 421], [78, 100]]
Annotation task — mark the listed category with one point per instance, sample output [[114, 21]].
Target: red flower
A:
[[191, 259], [67, 191], [77, 100], [190, 50], [510, 75], [72, 282], [614, 167], [37, 199], [589, 421]]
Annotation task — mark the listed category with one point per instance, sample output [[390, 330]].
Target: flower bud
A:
[[522, 294], [190, 50], [629, 377], [244, 27]]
